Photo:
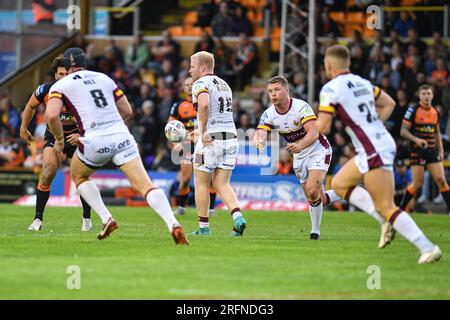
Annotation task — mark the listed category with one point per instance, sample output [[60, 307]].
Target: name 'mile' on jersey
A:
[[290, 124], [220, 118], [353, 99], [91, 97]]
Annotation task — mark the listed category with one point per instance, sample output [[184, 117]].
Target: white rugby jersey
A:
[[220, 118], [353, 99], [290, 124], [91, 97]]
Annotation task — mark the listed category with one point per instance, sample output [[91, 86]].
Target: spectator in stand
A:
[[439, 76], [146, 93], [257, 110], [167, 99], [430, 63], [237, 111], [285, 165], [386, 86], [244, 62], [327, 27], [240, 23], [12, 153], [9, 117], [413, 39], [404, 23], [445, 102], [206, 12], [403, 178], [300, 88], [150, 128], [439, 45], [167, 73], [137, 53], [117, 52], [396, 57], [221, 21], [167, 48], [394, 123], [80, 42], [412, 57], [222, 57], [206, 43], [374, 66]]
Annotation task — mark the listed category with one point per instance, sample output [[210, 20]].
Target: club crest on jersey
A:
[[295, 123]]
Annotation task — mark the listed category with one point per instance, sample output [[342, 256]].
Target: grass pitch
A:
[[274, 260]]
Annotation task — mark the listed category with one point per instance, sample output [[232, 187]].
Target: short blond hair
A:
[[205, 58], [340, 55]]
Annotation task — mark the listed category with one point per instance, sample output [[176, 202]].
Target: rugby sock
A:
[[405, 225], [360, 198], [203, 222], [89, 191], [409, 194], [182, 197], [331, 197], [315, 212], [86, 208], [236, 212], [446, 195], [212, 200], [42, 195], [157, 199]]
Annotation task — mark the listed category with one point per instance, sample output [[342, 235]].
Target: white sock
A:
[[332, 196], [236, 215], [362, 199], [91, 194], [158, 201], [315, 212], [406, 226]]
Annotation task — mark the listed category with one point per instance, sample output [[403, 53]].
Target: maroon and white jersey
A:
[[91, 97], [290, 125], [352, 98]]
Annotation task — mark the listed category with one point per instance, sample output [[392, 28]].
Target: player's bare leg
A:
[[414, 187], [202, 181], [155, 197], [438, 174], [313, 189], [380, 184], [221, 180], [346, 184], [89, 191], [49, 168], [86, 224], [183, 189]]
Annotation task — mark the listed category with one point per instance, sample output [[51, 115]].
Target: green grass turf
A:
[[274, 260]]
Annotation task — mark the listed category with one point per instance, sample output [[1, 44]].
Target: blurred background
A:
[[144, 45]]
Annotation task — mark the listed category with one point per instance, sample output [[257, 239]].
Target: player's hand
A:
[[193, 135], [293, 147], [58, 147], [206, 139], [26, 135], [422, 143], [73, 138], [177, 146], [259, 143]]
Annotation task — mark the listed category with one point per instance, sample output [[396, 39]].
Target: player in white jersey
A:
[[99, 107], [295, 120], [362, 108], [217, 146]]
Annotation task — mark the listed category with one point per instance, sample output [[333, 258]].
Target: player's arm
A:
[[324, 122], [406, 133], [124, 107], [439, 143], [312, 134], [203, 112], [384, 104], [260, 138], [52, 112], [27, 116]]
